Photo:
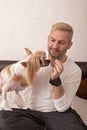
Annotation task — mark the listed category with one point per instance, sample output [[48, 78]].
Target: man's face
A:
[[58, 44]]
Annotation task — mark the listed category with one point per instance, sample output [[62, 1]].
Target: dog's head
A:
[[35, 59], [32, 64]]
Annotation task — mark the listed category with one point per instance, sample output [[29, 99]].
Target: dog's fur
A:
[[21, 73]]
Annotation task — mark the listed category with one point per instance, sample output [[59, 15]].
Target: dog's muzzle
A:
[[44, 63]]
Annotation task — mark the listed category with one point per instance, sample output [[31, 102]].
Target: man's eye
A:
[[61, 42], [52, 40]]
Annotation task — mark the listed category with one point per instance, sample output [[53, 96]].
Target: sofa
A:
[[80, 101], [82, 91]]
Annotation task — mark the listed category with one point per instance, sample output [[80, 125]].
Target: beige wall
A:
[[26, 23]]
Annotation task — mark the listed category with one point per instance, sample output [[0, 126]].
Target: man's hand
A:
[[42, 54], [57, 69]]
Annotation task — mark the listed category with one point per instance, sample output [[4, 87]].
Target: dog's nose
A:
[[47, 62], [44, 63]]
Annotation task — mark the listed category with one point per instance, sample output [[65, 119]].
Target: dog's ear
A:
[[24, 63], [28, 51]]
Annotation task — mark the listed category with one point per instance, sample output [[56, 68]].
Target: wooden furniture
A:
[[82, 91]]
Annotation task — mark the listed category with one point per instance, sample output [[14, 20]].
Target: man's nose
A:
[[56, 45]]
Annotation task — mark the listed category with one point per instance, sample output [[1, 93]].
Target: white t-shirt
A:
[[41, 97]]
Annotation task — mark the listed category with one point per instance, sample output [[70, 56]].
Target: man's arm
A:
[[58, 90], [64, 93]]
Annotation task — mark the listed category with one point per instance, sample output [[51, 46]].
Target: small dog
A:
[[21, 73]]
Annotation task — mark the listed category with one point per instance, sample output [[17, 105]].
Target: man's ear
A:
[[70, 44], [28, 51], [48, 37], [24, 63]]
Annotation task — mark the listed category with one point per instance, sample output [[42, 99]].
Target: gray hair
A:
[[64, 27]]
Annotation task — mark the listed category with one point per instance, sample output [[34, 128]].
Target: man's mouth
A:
[[55, 51]]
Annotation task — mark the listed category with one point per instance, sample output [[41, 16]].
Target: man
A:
[[53, 91]]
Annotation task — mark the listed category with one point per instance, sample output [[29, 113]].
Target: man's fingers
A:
[[42, 54]]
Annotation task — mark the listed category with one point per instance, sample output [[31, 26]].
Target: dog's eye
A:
[[40, 61]]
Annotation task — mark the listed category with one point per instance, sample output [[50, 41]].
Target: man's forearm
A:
[[57, 92]]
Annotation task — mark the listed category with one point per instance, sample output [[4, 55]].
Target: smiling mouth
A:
[[54, 50]]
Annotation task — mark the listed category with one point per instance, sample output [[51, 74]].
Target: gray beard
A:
[[57, 56]]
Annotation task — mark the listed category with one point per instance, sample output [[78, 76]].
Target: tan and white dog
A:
[[21, 73]]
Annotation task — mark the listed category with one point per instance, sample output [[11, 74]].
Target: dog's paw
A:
[[19, 101], [5, 108], [4, 105], [19, 105]]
